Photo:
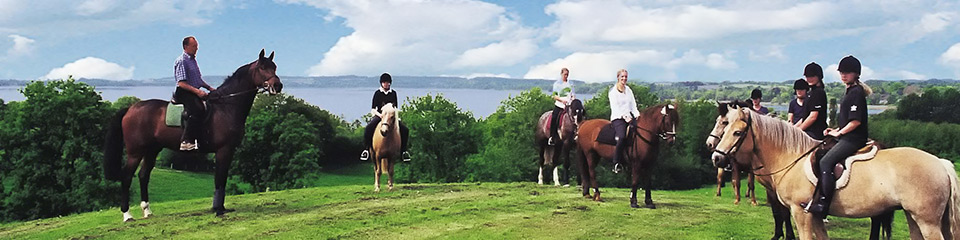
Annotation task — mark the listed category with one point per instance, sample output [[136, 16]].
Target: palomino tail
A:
[[953, 205], [113, 146]]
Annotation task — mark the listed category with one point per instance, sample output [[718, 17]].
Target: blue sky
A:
[[656, 40]]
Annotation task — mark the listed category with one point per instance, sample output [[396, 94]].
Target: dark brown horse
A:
[[643, 135], [141, 129], [550, 156]]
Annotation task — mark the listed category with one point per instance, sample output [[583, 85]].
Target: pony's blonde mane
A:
[[780, 133]]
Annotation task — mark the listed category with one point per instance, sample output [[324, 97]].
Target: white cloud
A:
[[951, 57], [91, 67], [600, 22], [504, 53], [830, 73], [21, 46], [904, 74], [66, 17], [773, 52], [421, 37], [93, 7], [602, 66], [494, 75]]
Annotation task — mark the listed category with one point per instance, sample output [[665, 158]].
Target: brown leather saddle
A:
[[829, 143]]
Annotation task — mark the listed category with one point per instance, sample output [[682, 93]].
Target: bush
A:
[[51, 151], [509, 152], [935, 138], [441, 137]]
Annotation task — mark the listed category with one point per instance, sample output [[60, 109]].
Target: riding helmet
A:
[[800, 84], [813, 69], [755, 94], [849, 64], [385, 77]]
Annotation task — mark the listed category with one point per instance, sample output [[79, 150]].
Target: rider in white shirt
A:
[[623, 109]]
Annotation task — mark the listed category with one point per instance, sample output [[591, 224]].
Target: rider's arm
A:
[[185, 86], [853, 124], [806, 123]]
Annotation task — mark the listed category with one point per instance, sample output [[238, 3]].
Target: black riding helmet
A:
[[385, 77], [849, 64], [813, 69], [800, 84], [756, 94]]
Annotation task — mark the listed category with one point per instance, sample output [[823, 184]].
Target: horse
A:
[[659, 121], [923, 185], [386, 145], [550, 155], [140, 128], [880, 224], [735, 169]]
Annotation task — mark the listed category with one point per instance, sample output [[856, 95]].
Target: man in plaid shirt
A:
[[189, 81]]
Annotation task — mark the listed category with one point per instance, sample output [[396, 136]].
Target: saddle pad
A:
[[607, 135], [173, 115], [847, 164], [550, 120]]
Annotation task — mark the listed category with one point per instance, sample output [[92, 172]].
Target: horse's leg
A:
[[133, 160], [224, 156], [540, 171], [390, 163], [556, 176], [592, 164], [646, 199], [880, 226], [750, 189], [777, 209], [719, 180], [584, 174], [566, 166], [634, 183], [929, 225], [804, 222], [149, 160], [914, 228], [735, 179], [377, 170]]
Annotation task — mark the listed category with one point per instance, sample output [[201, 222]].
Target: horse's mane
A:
[[231, 81], [781, 134]]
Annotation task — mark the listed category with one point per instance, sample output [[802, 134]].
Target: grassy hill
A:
[[346, 207]]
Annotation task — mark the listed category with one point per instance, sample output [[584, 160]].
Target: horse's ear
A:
[[271, 56], [262, 52]]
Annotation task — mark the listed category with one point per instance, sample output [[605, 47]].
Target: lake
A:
[[349, 103]]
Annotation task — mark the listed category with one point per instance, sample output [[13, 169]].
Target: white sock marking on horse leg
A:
[[540, 176], [556, 176], [145, 206], [127, 217]]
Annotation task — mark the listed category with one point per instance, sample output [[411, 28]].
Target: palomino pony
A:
[[923, 185], [735, 169], [550, 155], [141, 129], [655, 122], [881, 224], [386, 146]]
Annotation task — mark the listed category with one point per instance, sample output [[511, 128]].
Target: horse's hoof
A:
[[566, 185], [376, 190], [736, 202], [651, 206], [754, 203], [634, 205], [127, 217]]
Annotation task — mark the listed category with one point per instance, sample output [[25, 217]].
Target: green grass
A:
[[347, 207]]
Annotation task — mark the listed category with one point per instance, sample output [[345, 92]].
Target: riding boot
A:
[[617, 155], [820, 204]]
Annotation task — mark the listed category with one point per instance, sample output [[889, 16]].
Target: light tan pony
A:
[[386, 145], [923, 185]]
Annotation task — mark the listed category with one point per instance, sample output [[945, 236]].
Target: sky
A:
[[655, 40]]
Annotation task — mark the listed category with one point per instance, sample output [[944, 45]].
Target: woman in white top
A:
[[623, 109], [563, 94]]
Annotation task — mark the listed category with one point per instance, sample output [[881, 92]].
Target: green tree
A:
[[124, 101], [51, 147], [509, 152], [441, 137], [833, 113]]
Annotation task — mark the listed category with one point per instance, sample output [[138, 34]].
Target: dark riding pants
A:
[[555, 122], [193, 105], [372, 126], [620, 127], [844, 148]]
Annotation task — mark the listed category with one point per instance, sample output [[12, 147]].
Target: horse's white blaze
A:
[[127, 216], [145, 206], [663, 111]]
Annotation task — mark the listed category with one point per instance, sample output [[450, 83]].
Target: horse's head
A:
[[388, 118], [264, 74], [576, 111], [721, 122], [733, 136], [669, 122]]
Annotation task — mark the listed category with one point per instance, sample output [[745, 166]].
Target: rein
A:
[[788, 166]]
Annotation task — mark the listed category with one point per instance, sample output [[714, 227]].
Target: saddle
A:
[[550, 119], [841, 171], [608, 135]]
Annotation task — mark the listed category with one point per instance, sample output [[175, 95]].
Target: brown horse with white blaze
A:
[[386, 146], [141, 129], [643, 135], [925, 187]]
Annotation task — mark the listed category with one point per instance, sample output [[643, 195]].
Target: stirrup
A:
[[550, 142], [365, 155], [187, 146], [406, 156], [617, 168]]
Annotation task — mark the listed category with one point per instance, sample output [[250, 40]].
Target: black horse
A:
[[142, 130], [550, 155]]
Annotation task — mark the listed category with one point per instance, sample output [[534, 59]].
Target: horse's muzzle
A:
[[719, 160]]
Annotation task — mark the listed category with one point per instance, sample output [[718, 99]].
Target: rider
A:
[[189, 82], [852, 115], [623, 109], [563, 94], [795, 111], [815, 104], [381, 97], [755, 97]]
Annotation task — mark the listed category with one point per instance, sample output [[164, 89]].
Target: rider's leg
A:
[[621, 128], [368, 137]]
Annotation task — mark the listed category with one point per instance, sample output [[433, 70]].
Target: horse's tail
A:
[[113, 146], [953, 204]]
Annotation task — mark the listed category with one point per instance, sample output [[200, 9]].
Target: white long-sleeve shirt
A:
[[622, 104], [564, 90]]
